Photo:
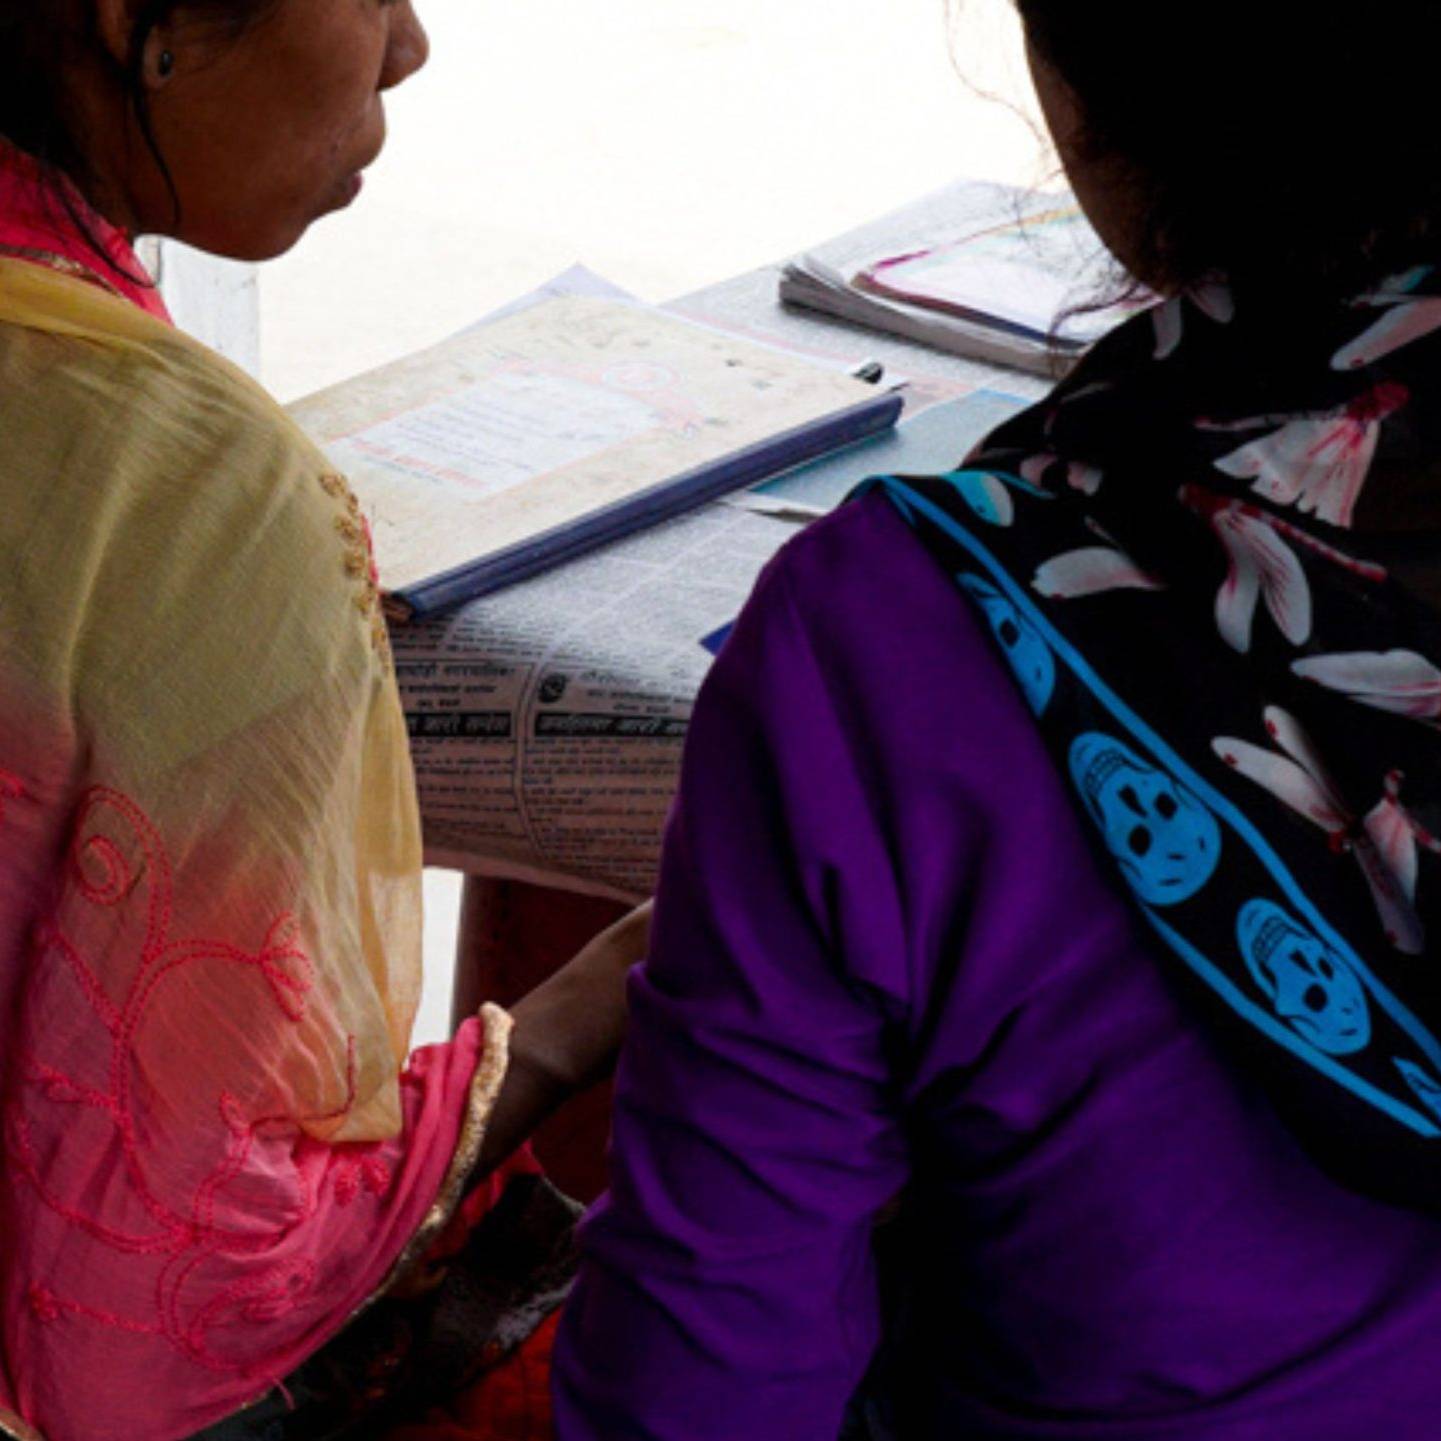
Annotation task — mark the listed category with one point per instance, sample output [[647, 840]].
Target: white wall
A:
[[217, 301], [665, 143]]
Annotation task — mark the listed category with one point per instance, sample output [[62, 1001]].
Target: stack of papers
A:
[[1024, 283]]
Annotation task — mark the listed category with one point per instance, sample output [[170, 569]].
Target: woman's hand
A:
[[567, 1034]]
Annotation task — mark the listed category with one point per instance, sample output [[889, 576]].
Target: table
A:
[[558, 829], [613, 639]]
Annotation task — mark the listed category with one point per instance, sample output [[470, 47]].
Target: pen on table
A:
[[870, 371]]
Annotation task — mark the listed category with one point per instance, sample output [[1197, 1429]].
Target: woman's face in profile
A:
[[266, 132], [1102, 188]]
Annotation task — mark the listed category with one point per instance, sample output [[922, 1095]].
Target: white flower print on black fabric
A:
[[1399, 836], [1407, 317], [1211, 298], [1048, 469], [1393, 680], [1091, 570], [1078, 474], [1298, 778], [1263, 565], [1316, 462]]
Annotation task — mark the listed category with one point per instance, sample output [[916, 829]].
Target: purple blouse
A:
[[886, 958]]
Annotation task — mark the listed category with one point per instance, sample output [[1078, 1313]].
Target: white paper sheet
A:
[[499, 432]]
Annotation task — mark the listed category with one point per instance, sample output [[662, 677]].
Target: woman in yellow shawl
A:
[[214, 1150]]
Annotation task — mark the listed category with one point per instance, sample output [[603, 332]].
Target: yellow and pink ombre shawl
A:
[[213, 1146]]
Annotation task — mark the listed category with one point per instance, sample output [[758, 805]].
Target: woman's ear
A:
[[114, 25], [115, 30]]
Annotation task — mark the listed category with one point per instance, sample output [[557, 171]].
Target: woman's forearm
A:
[[567, 1035]]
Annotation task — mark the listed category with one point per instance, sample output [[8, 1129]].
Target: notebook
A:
[[1022, 280]]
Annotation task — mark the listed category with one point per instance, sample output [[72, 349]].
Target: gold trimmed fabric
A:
[[61, 264], [485, 1090], [14, 1429]]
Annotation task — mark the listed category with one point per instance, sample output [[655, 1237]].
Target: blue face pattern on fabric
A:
[[1140, 444], [1311, 987], [1027, 654], [987, 497], [1166, 841], [988, 493]]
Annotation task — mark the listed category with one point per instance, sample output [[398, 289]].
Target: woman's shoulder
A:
[[158, 503], [973, 815], [896, 644], [99, 393]]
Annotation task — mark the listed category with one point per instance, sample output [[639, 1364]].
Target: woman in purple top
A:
[[1038, 1036]]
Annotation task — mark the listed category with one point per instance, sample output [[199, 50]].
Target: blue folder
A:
[[682, 492]]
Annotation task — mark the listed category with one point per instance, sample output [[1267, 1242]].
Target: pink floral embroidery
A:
[[1383, 843], [118, 862], [1318, 463], [1392, 680], [1263, 566], [360, 1168]]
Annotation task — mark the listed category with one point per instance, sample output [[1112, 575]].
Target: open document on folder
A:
[[522, 442]]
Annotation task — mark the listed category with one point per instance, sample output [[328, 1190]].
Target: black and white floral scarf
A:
[[1212, 560]]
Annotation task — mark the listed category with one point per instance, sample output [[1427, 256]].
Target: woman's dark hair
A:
[[1269, 142], [41, 39]]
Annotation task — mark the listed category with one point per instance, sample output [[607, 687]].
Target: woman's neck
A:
[[45, 219]]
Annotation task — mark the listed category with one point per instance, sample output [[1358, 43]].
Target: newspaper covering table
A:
[[547, 720]]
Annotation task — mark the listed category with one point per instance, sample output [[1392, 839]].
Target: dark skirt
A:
[[401, 1359]]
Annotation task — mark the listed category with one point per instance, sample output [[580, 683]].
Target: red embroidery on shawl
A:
[[98, 871], [361, 1167], [49, 1307]]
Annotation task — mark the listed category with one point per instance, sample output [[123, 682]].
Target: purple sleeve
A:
[[728, 1288]]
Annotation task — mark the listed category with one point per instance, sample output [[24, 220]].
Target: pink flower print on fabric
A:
[[1092, 570], [1264, 566], [1318, 463], [1260, 564], [1407, 317], [1398, 836], [1298, 778], [1394, 680], [1211, 298]]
